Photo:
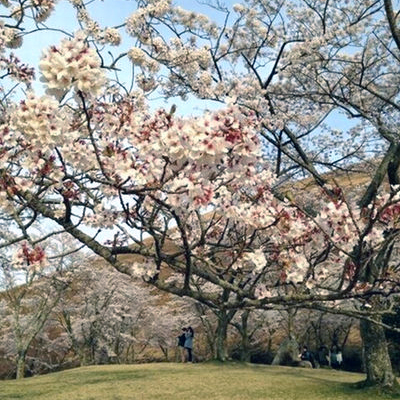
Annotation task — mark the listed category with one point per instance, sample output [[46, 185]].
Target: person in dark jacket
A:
[[189, 343], [307, 355], [324, 356], [181, 344]]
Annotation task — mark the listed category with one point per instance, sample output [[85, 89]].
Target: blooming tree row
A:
[[86, 314]]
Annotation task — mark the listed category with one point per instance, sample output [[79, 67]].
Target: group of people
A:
[[185, 343], [324, 357]]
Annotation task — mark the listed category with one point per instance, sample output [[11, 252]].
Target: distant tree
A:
[[108, 318], [34, 277], [28, 300], [323, 328]]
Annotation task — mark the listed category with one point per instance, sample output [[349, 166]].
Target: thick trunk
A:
[[221, 353], [376, 357], [21, 362], [245, 349], [245, 342]]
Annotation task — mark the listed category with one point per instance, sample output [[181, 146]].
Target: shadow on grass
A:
[[348, 388], [376, 391], [358, 388], [351, 388]]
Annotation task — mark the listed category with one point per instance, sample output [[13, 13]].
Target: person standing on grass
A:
[[189, 343], [336, 357], [181, 344], [339, 358], [307, 355], [324, 358]]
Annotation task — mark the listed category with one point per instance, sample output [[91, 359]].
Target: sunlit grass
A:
[[209, 381]]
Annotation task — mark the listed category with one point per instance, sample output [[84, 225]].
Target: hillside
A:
[[189, 382]]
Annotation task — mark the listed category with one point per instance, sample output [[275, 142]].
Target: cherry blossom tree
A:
[[297, 65], [325, 329], [107, 317], [86, 310], [33, 279], [198, 197], [27, 306]]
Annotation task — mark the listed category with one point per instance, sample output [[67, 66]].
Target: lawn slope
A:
[[208, 381]]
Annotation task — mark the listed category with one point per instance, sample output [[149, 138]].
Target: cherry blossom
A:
[[72, 65]]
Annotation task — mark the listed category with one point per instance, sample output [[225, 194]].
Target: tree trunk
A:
[[376, 357], [221, 353], [245, 349], [84, 359], [165, 352], [245, 342], [21, 362]]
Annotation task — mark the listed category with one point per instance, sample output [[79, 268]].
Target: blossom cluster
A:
[[37, 122], [103, 217], [137, 24], [30, 258], [92, 28], [17, 70], [73, 64], [183, 56], [194, 21], [42, 9], [9, 37]]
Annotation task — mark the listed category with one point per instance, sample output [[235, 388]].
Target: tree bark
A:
[[245, 355], [221, 353], [21, 362], [376, 357], [245, 340]]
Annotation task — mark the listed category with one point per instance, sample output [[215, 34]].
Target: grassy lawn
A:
[[208, 381]]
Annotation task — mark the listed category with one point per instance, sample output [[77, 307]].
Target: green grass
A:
[[210, 381]]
